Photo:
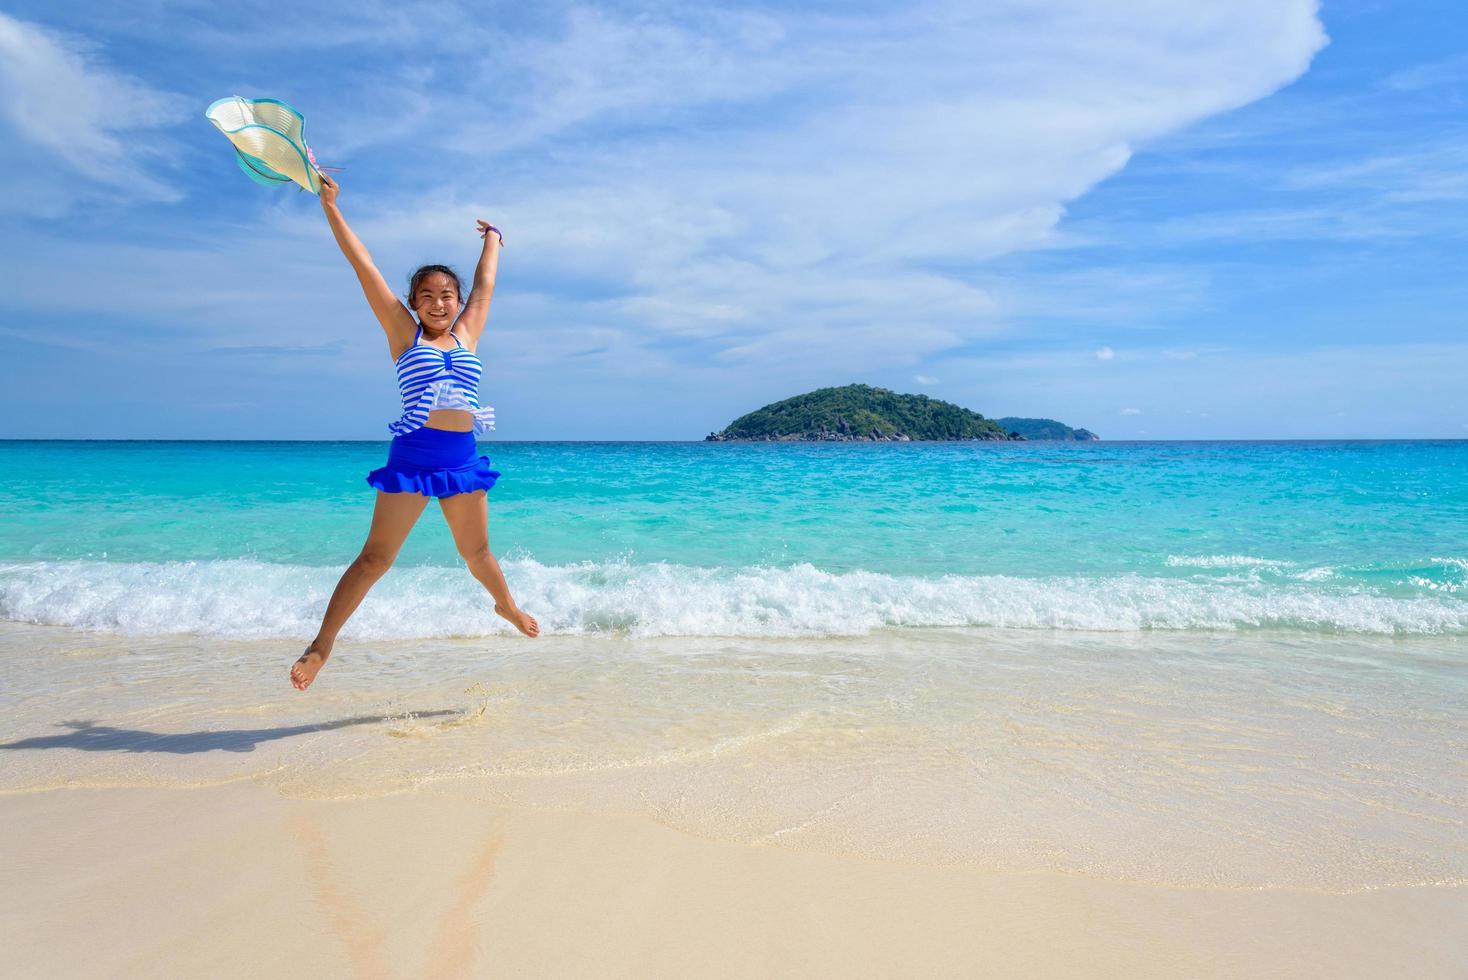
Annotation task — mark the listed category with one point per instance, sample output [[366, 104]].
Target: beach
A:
[[727, 808], [977, 739], [238, 881]]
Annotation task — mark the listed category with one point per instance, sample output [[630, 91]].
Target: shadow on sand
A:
[[91, 737]]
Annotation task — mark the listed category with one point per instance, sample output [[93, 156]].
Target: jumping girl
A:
[[433, 451]]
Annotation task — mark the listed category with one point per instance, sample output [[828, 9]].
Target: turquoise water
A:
[[690, 538]]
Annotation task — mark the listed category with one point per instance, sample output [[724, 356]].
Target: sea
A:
[[1202, 664]]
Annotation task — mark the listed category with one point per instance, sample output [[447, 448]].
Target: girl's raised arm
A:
[[396, 321], [470, 324]]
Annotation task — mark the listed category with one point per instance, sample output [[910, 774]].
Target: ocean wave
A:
[[248, 599], [1224, 561]]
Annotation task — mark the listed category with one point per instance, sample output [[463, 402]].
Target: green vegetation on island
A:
[[862, 413]]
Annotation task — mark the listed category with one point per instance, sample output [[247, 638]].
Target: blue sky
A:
[[1232, 219]]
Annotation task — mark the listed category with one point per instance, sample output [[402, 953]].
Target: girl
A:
[[433, 451]]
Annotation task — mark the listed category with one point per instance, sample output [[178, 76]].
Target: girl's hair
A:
[[417, 278]]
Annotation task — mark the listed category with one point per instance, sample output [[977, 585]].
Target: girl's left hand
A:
[[485, 228], [329, 190]]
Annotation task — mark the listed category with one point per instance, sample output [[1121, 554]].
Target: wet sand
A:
[[444, 881]]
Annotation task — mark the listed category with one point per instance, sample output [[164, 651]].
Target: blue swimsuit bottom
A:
[[435, 463]]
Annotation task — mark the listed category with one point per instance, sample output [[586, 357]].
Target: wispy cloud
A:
[[60, 97], [618, 72], [1437, 171], [1429, 75]]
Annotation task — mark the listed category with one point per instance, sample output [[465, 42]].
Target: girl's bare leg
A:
[[468, 519], [392, 518]]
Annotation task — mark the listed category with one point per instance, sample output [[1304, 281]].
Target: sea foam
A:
[[248, 599]]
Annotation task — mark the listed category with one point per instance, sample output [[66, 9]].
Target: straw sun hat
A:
[[269, 141]]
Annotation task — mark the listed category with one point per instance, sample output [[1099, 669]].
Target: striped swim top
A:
[[430, 378]]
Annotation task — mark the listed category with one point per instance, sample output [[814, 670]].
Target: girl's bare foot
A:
[[304, 670], [521, 620]]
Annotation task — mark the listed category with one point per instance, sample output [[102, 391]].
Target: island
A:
[[1046, 429], [863, 413]]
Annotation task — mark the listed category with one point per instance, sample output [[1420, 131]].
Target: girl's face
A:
[[437, 301]]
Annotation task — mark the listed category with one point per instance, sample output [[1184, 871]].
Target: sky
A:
[[1219, 219]]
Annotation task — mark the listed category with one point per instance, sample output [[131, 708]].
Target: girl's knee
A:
[[375, 562], [476, 553]]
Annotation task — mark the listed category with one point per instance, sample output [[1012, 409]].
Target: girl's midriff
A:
[[449, 419]]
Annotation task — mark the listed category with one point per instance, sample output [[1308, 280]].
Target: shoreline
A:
[[1189, 761], [238, 880]]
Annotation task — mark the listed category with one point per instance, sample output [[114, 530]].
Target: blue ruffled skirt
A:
[[435, 463]]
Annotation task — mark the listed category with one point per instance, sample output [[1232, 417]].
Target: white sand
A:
[[240, 881]]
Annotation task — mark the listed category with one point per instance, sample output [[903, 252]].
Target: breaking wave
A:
[[248, 599]]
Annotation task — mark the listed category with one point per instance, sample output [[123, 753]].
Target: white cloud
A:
[[781, 179], [602, 68], [923, 379], [56, 94], [1105, 354], [1130, 411]]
